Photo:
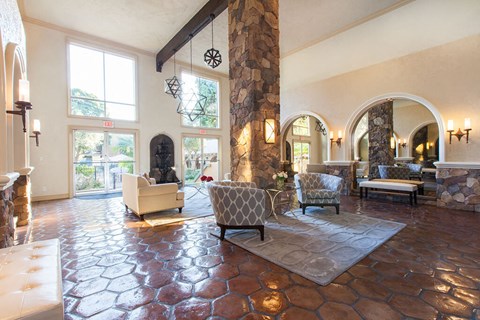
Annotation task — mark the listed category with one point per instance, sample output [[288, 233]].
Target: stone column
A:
[[254, 89], [21, 200], [7, 225], [380, 130]]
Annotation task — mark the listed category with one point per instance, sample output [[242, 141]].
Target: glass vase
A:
[[280, 184]]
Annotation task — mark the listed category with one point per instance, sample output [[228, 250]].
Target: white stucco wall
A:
[[447, 76], [46, 49]]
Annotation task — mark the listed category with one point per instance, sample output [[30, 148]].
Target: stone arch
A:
[[383, 98]]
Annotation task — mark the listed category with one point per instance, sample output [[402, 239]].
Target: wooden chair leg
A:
[[262, 232], [222, 232], [180, 210], [303, 208], [338, 208]]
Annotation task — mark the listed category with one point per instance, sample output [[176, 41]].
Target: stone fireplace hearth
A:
[[162, 155]]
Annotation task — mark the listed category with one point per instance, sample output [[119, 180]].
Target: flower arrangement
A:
[[280, 177], [206, 178]]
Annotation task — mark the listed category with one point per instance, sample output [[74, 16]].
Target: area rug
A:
[[196, 207], [320, 245]]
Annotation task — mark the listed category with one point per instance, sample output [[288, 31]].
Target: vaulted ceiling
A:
[[324, 37]]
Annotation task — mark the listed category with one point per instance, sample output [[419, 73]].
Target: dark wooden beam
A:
[[201, 19]]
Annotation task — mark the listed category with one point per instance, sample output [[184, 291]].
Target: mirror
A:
[[414, 129], [304, 141]]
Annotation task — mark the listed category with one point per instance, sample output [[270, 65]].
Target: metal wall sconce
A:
[[392, 143], [403, 144], [338, 141], [320, 128], [36, 130], [269, 131], [23, 101], [459, 134]]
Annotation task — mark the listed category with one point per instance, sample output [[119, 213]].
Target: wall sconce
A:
[[459, 134], [36, 130], [392, 143], [339, 139], [269, 130], [404, 143], [23, 101]]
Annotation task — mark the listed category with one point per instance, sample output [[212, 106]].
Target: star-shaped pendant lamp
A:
[[173, 86]]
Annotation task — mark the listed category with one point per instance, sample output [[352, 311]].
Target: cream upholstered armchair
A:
[[237, 205], [142, 197], [318, 189]]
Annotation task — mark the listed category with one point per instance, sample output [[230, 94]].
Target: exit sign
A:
[[108, 124], [203, 131]]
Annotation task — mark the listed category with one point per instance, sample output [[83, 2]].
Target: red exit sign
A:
[[108, 124], [203, 131]]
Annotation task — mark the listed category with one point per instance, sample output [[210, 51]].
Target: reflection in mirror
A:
[[304, 142], [411, 120]]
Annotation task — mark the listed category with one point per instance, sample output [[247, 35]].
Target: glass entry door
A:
[[200, 157], [100, 158]]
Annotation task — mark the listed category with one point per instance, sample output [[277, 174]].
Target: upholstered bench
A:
[[31, 281], [389, 187], [419, 184]]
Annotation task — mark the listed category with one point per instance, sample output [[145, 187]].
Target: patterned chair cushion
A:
[[318, 188], [391, 172], [320, 194]]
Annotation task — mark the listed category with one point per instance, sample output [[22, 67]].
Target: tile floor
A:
[[117, 267]]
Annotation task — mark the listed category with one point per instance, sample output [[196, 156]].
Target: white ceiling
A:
[[310, 30]]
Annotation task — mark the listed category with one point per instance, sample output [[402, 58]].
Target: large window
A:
[[301, 126], [301, 156], [208, 88], [102, 84]]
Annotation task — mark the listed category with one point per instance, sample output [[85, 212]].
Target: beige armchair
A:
[[141, 197]]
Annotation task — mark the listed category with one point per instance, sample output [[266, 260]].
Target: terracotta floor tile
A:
[[447, 304], [269, 302], [413, 307], [244, 284], [116, 266], [135, 298], [307, 298], [275, 280], [338, 293], [338, 311], [371, 309], [294, 313], [192, 309], [230, 306]]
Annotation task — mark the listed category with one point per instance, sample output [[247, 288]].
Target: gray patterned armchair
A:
[[318, 189], [237, 205]]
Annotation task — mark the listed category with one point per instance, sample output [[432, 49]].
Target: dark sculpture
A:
[[161, 160]]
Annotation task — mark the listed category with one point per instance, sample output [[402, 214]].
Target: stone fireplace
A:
[[162, 159]]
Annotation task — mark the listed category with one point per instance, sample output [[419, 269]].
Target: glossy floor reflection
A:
[[117, 267]]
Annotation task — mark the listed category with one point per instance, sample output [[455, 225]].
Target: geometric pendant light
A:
[[192, 103], [173, 86], [212, 56]]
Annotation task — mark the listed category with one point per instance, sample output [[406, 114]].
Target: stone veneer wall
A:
[[347, 172], [21, 200], [7, 227], [380, 129], [458, 188], [255, 90]]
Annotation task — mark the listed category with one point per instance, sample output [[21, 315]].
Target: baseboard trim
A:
[[51, 197]]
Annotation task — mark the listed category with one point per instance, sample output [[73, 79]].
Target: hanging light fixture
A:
[[320, 128], [173, 86], [192, 104], [212, 56]]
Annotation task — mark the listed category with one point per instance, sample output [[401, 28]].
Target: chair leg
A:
[[180, 210], [126, 208], [337, 207], [262, 232], [303, 208], [222, 232]]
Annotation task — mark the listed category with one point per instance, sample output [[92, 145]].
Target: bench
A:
[[419, 184], [31, 281], [390, 186]]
